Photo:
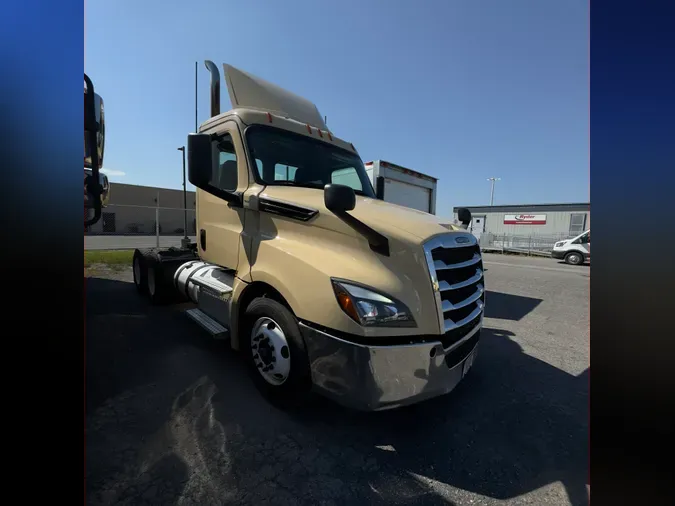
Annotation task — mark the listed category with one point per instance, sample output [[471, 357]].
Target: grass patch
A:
[[113, 258]]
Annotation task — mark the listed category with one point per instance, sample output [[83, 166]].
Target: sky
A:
[[462, 90]]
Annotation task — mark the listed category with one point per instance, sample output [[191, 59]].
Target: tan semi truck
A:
[[322, 287]]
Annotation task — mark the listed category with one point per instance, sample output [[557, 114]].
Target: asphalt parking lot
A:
[[172, 417]]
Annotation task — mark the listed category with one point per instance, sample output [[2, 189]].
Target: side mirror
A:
[[379, 187], [200, 159], [339, 198], [464, 216], [94, 121], [103, 185]]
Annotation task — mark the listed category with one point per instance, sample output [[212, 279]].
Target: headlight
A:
[[559, 244], [371, 309]]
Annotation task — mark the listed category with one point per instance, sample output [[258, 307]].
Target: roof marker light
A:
[[320, 134], [329, 135], [309, 129], [269, 117]]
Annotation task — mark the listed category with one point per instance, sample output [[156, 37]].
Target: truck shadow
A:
[[171, 418], [514, 425], [505, 306]]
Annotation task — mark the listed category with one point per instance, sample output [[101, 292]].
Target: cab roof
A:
[[257, 101], [250, 92]]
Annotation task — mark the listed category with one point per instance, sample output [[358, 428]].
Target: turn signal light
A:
[[346, 303]]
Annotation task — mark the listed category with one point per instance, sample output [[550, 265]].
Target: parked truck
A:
[[402, 186], [303, 268], [96, 186]]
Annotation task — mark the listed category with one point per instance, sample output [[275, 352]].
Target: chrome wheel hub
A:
[[270, 351]]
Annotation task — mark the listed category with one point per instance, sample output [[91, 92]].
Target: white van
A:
[[574, 251]]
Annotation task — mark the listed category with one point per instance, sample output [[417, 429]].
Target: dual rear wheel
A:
[[151, 279]]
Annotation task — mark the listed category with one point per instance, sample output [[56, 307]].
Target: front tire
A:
[[276, 353], [574, 258]]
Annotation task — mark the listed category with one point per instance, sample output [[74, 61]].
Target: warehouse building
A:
[[134, 209], [555, 221]]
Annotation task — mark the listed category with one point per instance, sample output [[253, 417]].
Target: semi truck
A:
[[96, 186], [301, 266], [402, 186]]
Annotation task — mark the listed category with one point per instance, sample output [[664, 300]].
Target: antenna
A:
[[196, 123]]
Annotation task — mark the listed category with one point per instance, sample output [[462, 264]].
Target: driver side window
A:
[[225, 173]]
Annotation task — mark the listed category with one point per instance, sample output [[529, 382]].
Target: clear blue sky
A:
[[458, 89]]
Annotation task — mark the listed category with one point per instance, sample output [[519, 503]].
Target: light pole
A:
[[492, 188], [185, 242]]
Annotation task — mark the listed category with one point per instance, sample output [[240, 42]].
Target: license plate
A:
[[468, 362]]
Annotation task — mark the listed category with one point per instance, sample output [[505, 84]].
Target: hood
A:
[[384, 217]]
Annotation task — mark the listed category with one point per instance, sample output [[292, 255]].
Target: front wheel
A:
[[574, 258], [276, 353]]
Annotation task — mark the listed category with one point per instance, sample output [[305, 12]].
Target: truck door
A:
[[220, 224]]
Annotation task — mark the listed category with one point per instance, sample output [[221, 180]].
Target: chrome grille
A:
[[456, 269]]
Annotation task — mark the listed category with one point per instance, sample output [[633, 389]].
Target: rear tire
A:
[[159, 288], [574, 258], [282, 373], [139, 268]]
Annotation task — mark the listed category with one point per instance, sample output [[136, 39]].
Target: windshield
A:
[[288, 159]]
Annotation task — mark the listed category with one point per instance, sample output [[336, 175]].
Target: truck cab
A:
[[574, 251], [322, 286]]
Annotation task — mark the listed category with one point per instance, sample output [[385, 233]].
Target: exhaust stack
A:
[[215, 87]]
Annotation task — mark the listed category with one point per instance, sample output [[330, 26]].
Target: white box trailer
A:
[[404, 187]]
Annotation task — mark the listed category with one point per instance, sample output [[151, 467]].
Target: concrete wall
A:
[[132, 209], [129, 194]]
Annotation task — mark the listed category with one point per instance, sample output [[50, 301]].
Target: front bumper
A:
[[372, 378], [558, 254]]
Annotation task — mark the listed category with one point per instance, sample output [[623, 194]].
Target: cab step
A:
[[214, 328]]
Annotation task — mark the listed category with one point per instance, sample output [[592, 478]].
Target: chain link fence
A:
[[528, 244], [130, 226]]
